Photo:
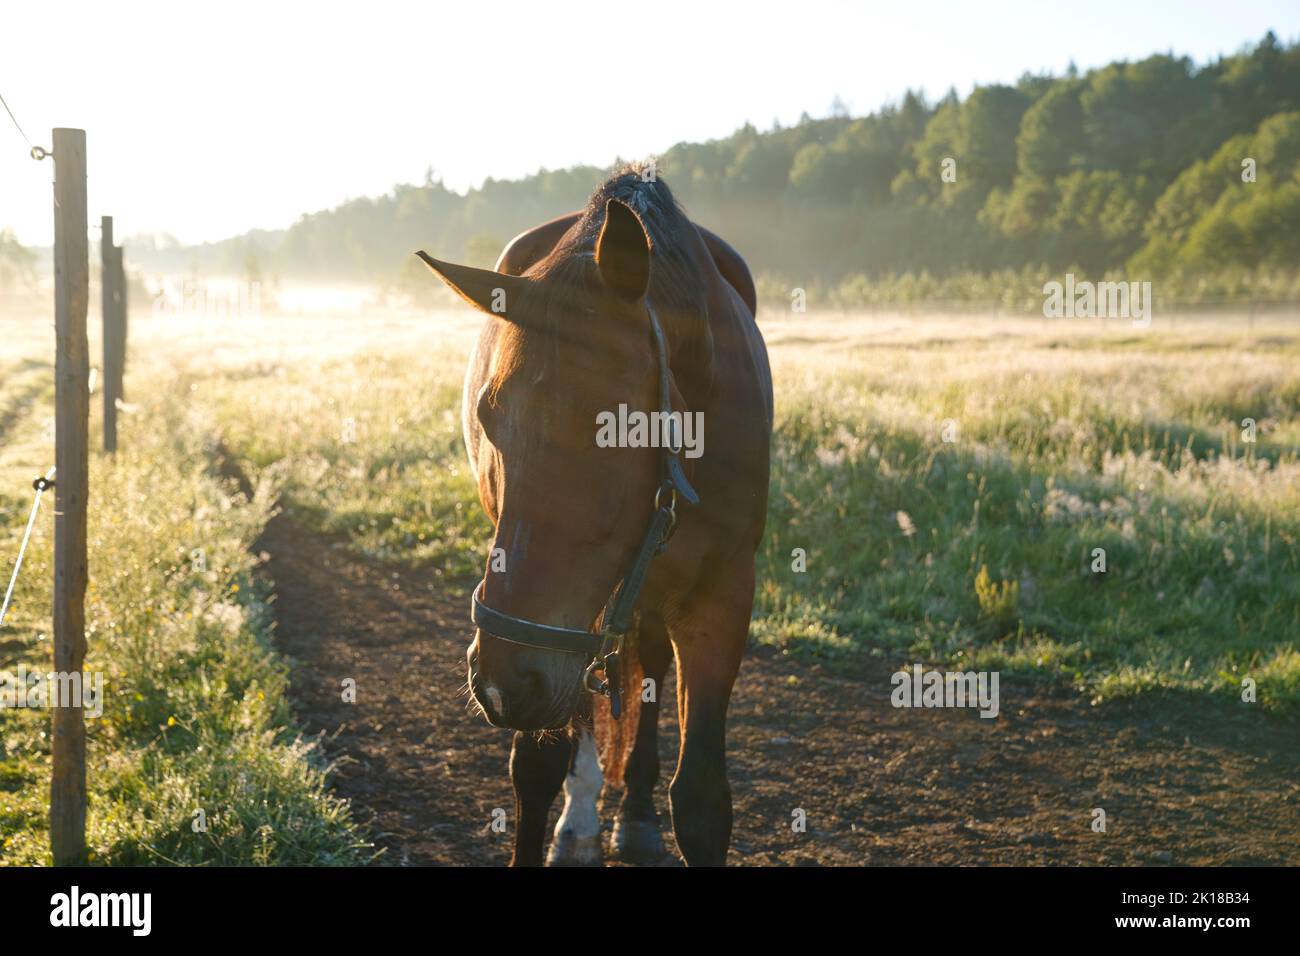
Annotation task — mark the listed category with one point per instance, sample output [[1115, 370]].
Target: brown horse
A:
[[613, 311]]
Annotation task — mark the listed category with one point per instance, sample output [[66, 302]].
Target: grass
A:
[[975, 551], [195, 759], [368, 446], [952, 488], [980, 550]]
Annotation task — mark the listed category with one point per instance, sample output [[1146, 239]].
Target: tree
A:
[[17, 263]]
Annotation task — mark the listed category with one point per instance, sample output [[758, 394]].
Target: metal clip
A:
[[591, 682], [607, 664]]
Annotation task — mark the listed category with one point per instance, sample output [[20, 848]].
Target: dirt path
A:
[[1182, 782]]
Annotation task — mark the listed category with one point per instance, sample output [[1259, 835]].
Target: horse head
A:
[[574, 342]]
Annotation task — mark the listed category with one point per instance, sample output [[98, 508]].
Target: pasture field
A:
[[177, 621], [1065, 438], [948, 479]]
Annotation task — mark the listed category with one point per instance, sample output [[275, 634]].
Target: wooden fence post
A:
[[108, 279], [119, 327], [72, 406]]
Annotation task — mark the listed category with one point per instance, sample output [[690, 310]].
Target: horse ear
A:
[[623, 252], [493, 292]]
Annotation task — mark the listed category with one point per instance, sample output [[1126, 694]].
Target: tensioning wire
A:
[[41, 484]]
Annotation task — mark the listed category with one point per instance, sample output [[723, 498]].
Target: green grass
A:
[[1068, 439], [368, 446], [1134, 451], [177, 622], [975, 552]]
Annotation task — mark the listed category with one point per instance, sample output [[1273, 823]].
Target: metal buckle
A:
[[590, 681], [672, 506], [607, 664], [676, 434], [672, 512]]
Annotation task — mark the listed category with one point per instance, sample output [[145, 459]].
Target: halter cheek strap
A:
[[605, 648]]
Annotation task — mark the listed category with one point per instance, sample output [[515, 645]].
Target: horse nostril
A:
[[493, 698]]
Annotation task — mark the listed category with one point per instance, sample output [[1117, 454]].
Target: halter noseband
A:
[[604, 648]]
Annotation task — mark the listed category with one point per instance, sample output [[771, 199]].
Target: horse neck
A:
[[690, 351], [686, 319]]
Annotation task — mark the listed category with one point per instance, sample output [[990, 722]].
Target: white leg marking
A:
[[577, 832]]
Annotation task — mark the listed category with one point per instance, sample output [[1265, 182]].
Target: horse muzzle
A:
[[520, 689]]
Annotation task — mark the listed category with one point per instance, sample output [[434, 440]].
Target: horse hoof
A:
[[637, 841], [569, 849]]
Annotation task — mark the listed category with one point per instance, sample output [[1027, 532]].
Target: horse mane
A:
[[677, 285]]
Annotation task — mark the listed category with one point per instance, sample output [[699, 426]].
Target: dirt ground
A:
[[1182, 782]]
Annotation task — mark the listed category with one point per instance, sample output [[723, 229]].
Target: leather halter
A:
[[604, 648]]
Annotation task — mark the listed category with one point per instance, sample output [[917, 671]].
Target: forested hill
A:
[[1134, 166]]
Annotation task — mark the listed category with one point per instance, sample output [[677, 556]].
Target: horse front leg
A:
[[709, 638], [538, 765], [636, 837], [577, 832]]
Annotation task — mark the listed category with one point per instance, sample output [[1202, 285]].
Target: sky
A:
[[206, 120]]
